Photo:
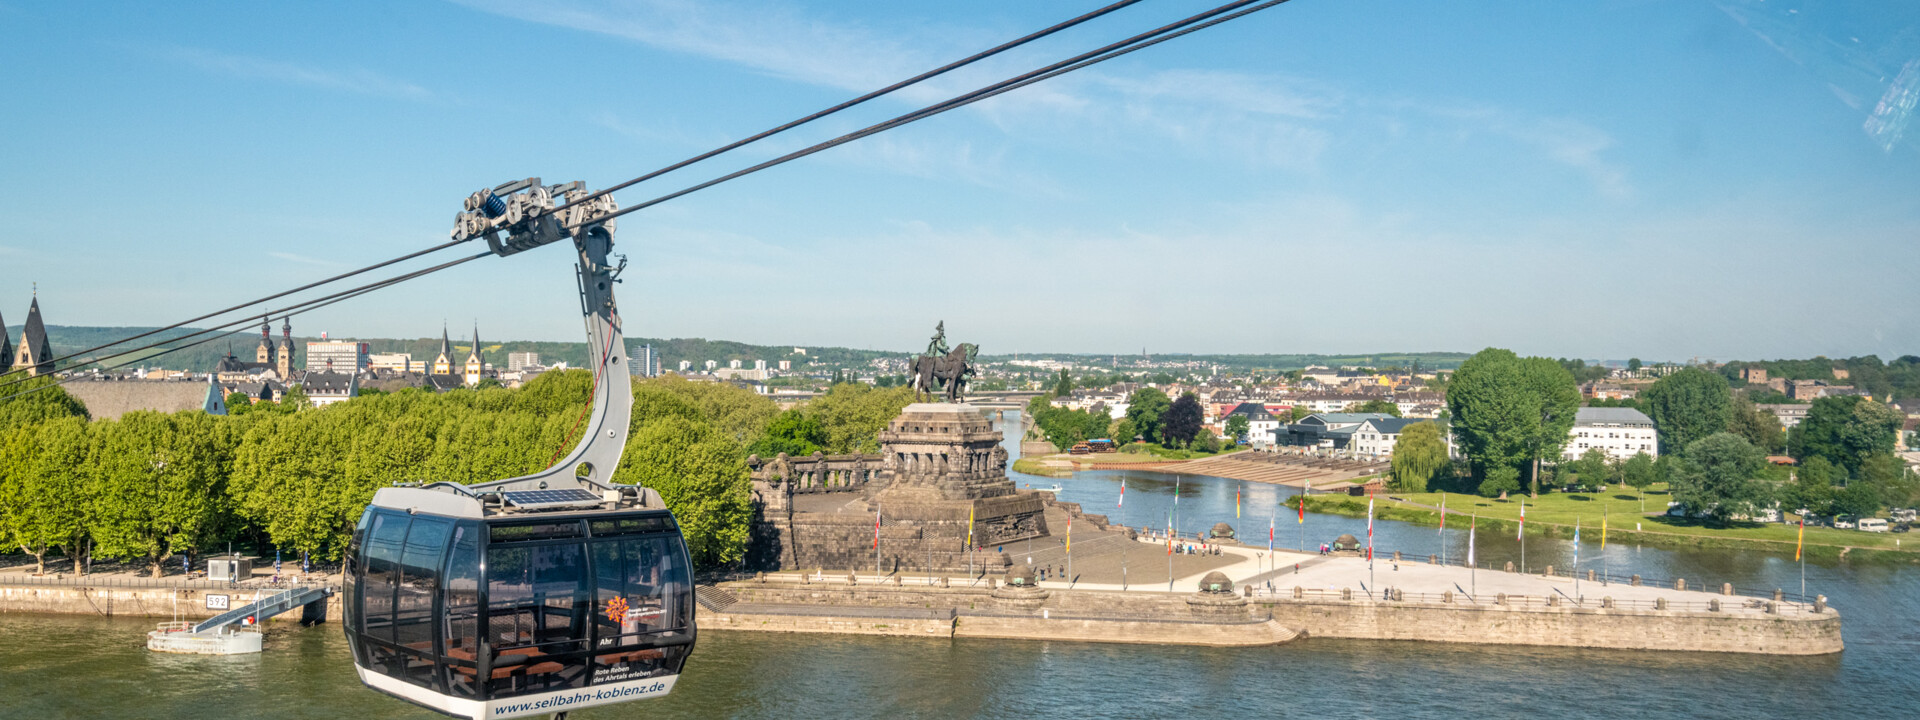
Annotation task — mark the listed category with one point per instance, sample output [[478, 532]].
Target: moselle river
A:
[[86, 667]]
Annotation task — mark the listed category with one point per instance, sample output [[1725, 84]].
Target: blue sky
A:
[[1609, 179]]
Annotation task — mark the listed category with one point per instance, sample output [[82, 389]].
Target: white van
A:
[[1873, 525]]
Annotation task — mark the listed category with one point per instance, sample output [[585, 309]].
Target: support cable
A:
[[1003, 47], [288, 311], [949, 67], [242, 306]]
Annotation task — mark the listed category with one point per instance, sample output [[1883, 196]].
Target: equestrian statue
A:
[[948, 369]]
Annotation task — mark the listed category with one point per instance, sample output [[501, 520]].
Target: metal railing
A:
[[177, 582], [1598, 576], [1558, 601]]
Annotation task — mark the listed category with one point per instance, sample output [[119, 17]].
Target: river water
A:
[[84, 667]]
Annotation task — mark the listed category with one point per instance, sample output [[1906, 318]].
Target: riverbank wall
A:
[[1688, 624], [1564, 626], [106, 599], [1004, 613]]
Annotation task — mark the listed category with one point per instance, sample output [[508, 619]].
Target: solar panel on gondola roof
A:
[[570, 496]]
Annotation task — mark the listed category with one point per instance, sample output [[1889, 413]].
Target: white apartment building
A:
[[401, 362], [522, 360], [1621, 432], [343, 357]]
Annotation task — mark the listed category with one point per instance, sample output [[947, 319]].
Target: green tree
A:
[[45, 489], [742, 414], [1063, 386], [1633, 365], [293, 400], [239, 403], [1418, 456], [1638, 471], [1592, 467], [1123, 431], [1718, 476], [489, 383], [1297, 413], [853, 414], [702, 475], [1508, 411], [1146, 407], [1687, 406], [162, 485], [1183, 420], [1237, 428], [1374, 406], [32, 400], [1759, 427], [791, 432], [1846, 430], [1501, 479], [1812, 488]]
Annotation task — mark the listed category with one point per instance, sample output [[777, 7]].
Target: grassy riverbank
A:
[[1032, 466], [1555, 514]]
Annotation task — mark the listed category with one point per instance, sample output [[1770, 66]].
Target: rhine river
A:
[[86, 667]]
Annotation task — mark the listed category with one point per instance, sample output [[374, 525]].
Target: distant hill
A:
[[66, 339], [1427, 360]]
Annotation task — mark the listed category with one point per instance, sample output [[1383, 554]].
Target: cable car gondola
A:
[[539, 594]]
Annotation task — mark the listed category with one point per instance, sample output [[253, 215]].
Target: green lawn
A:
[[1554, 514]]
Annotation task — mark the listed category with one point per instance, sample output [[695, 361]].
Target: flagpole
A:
[[1523, 536], [1473, 568], [876, 541], [1443, 528]]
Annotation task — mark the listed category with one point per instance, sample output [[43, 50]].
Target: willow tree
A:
[[1418, 456]]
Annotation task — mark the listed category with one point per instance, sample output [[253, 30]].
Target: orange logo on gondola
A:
[[617, 609]]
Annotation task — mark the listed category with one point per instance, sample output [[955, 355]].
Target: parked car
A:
[[1902, 527], [1905, 515], [1873, 525], [1843, 522]]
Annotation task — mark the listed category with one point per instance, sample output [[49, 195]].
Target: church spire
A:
[[6, 347], [475, 355], [35, 353]]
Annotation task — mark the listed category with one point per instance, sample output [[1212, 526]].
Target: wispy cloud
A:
[[353, 80], [774, 40]]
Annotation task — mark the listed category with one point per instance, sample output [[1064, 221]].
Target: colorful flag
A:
[[1303, 509], [1443, 515], [876, 528], [1236, 501], [1576, 542], [1269, 534], [969, 529], [1069, 534], [1176, 492], [1123, 494], [1369, 529], [1169, 533], [1473, 524], [1603, 528], [1803, 538], [1523, 520]]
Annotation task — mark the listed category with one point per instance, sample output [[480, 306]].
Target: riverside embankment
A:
[[1323, 597], [122, 596]]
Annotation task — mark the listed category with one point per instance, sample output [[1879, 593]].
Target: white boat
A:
[[179, 637]]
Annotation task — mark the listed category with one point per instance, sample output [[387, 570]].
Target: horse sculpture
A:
[[950, 372]]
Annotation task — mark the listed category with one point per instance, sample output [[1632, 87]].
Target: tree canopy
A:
[[1687, 406], [1507, 411], [1374, 406], [1183, 420], [1418, 456], [1846, 430], [1719, 477], [1147, 407]]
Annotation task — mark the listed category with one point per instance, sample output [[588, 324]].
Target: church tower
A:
[[475, 365], [443, 363], [264, 354], [6, 347], [285, 361], [35, 354]]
